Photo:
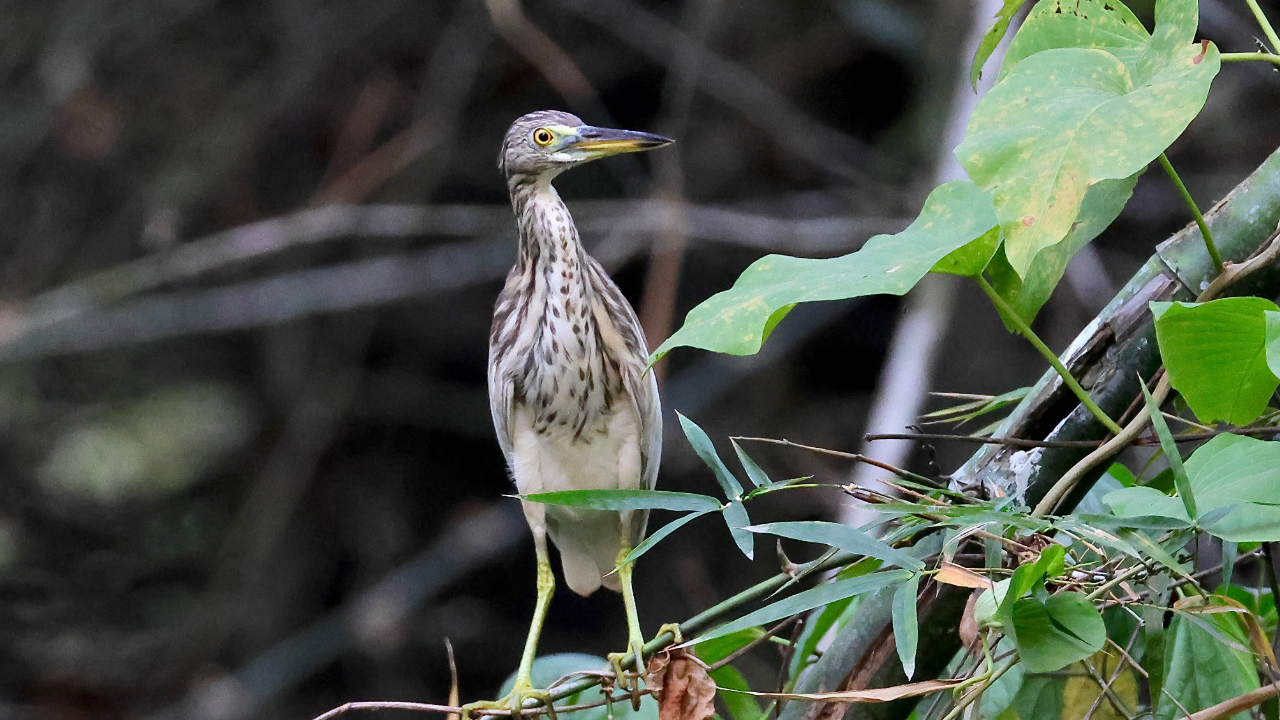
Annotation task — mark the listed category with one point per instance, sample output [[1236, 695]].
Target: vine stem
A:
[[1251, 57], [1209, 244], [1025, 330], [1265, 23], [1233, 272]]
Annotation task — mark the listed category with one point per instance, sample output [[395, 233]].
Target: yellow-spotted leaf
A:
[[1064, 119], [737, 320]]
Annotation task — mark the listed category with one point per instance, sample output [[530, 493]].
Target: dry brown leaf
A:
[[960, 576], [968, 624], [888, 694], [684, 689]]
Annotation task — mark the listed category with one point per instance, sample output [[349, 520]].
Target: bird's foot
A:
[[674, 629], [630, 680], [513, 702]]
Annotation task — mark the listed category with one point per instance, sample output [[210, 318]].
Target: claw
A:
[[674, 629], [628, 681], [513, 702]]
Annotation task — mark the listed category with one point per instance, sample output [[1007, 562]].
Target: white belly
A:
[[553, 460], [603, 458]]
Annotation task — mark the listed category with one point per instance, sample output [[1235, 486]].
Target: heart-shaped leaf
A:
[[736, 321]]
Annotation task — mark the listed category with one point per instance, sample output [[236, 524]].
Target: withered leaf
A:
[[888, 694], [680, 682], [960, 576]]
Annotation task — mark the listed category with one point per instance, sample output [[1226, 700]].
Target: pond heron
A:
[[572, 403]]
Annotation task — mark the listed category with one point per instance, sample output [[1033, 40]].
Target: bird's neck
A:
[[547, 233]]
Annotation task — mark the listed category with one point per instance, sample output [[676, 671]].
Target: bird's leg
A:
[[523, 688], [635, 639]]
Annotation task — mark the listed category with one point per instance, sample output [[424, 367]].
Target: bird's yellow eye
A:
[[543, 137]]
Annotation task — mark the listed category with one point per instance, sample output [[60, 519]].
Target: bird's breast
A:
[[563, 373]]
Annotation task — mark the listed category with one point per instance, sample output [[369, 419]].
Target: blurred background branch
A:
[[247, 267]]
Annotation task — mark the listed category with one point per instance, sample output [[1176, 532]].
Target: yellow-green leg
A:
[[635, 640], [523, 688]]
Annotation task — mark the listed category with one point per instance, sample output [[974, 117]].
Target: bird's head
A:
[[548, 142]]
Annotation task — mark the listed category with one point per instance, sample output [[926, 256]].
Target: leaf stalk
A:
[[1209, 244], [1025, 330]]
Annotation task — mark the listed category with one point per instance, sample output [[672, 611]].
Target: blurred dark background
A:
[[248, 257]]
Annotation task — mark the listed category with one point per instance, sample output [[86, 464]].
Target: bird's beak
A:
[[597, 142]]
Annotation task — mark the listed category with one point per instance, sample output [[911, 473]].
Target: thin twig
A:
[[752, 645], [904, 474], [1232, 272]]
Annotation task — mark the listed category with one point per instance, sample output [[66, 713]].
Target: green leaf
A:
[[661, 534], [992, 38], [1230, 472], [906, 632], [1102, 204], [1100, 24], [1024, 578], [1171, 452], [740, 705], [1201, 671], [1153, 550], [1273, 341], [1142, 501], [1066, 118], [844, 537], [1216, 355], [1122, 475], [713, 651], [622, 500], [707, 451], [734, 321], [1153, 633], [1230, 551], [1183, 15], [1053, 634], [735, 516], [972, 258], [808, 600], [833, 615], [754, 473]]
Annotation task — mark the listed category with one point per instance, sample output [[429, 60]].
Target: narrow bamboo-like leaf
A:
[[1152, 550], [662, 533], [808, 600], [840, 536], [906, 631], [707, 451], [735, 516], [1171, 454], [1153, 632], [754, 473], [1229, 553], [621, 500]]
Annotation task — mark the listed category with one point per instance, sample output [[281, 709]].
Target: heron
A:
[[573, 405]]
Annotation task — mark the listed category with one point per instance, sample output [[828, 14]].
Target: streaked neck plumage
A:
[[567, 378]]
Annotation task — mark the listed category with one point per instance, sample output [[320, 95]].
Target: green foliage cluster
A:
[[1068, 613]]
